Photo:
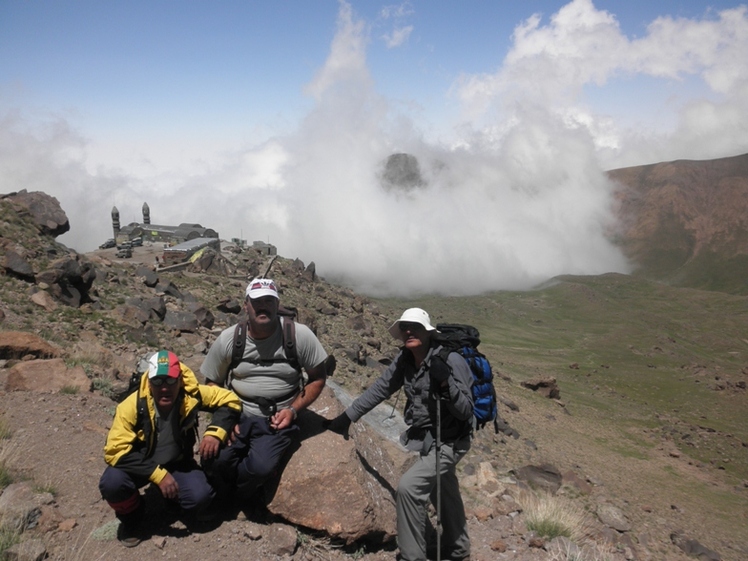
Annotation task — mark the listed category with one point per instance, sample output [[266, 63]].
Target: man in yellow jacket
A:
[[152, 440]]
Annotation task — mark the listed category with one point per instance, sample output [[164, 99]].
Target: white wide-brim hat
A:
[[412, 315]]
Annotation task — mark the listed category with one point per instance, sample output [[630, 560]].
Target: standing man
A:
[[271, 387], [429, 382], [152, 440]]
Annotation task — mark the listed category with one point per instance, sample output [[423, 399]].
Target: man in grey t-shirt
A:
[[270, 388]]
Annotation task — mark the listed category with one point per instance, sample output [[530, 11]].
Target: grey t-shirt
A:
[[167, 447], [251, 378]]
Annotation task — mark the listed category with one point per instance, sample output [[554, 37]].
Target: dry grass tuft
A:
[[5, 432], [551, 516], [568, 551]]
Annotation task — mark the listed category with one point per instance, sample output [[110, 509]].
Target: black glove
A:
[[339, 424], [439, 371]]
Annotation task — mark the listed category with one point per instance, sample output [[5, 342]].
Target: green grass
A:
[[8, 538], [6, 476], [104, 386], [45, 488], [5, 432]]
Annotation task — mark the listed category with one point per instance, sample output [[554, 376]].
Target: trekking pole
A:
[[438, 478], [397, 398]]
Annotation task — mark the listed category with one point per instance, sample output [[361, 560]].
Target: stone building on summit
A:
[[148, 232]]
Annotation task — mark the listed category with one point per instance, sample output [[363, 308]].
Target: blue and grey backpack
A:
[[464, 339]]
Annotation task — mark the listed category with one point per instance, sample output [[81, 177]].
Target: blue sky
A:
[[270, 120]]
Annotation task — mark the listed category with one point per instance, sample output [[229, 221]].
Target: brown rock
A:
[[504, 507], [17, 266], [573, 480], [280, 540], [483, 513], [544, 477], [20, 506], [45, 210], [694, 548], [49, 519], [44, 300], [67, 525], [17, 344], [545, 386], [536, 542], [498, 546], [27, 550], [46, 376], [326, 487], [613, 516]]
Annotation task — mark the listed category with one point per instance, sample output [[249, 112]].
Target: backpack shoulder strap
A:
[[237, 347], [289, 341], [141, 416], [288, 328]]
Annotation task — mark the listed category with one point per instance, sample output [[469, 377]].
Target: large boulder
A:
[[46, 376], [402, 172], [544, 477], [44, 209], [181, 321], [20, 506], [17, 266], [343, 487], [19, 344], [69, 279]]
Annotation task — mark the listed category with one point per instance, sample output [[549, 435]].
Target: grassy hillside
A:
[[629, 355], [684, 222]]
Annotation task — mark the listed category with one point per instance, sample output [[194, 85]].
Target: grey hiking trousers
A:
[[416, 488]]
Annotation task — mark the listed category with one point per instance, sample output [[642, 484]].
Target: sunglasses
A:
[[409, 326], [158, 381]]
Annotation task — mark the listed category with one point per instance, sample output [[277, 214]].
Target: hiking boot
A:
[[128, 531], [128, 536], [211, 512]]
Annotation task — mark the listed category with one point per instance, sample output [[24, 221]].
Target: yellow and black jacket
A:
[[132, 438]]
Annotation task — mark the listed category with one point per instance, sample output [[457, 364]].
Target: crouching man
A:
[[152, 440]]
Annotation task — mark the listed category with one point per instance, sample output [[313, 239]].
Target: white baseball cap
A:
[[412, 315], [261, 287]]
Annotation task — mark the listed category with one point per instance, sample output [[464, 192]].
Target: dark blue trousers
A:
[[251, 459], [120, 489]]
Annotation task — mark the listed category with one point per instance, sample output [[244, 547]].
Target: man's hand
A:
[[234, 434], [339, 424], [169, 487], [281, 419], [209, 447]]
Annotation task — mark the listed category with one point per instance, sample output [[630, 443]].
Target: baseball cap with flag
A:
[[164, 363], [261, 287]]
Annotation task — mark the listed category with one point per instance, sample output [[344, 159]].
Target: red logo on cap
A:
[[263, 284]]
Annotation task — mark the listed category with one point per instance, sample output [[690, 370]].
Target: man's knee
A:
[[257, 467], [196, 493], [116, 485], [406, 490]]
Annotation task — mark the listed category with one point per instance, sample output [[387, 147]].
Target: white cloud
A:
[[347, 59], [505, 210], [398, 36], [551, 65], [518, 197], [397, 11]]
